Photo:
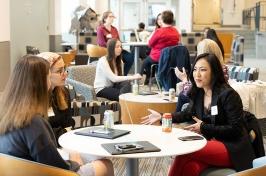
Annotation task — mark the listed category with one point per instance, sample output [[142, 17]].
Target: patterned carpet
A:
[[147, 166]]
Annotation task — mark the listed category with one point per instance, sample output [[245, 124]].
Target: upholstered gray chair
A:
[[82, 77]]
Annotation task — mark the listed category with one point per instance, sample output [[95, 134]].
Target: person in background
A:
[[211, 34], [24, 129], [205, 30], [217, 111], [143, 34], [158, 21], [106, 31], [165, 36], [109, 82], [204, 46], [158, 24], [59, 98]]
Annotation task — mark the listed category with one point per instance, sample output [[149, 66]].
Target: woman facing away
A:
[[109, 82], [24, 129], [165, 36], [59, 98], [211, 34], [106, 31]]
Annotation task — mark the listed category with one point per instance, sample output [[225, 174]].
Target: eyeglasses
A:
[[60, 71]]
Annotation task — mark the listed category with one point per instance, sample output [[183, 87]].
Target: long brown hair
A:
[[59, 96], [111, 56], [25, 95]]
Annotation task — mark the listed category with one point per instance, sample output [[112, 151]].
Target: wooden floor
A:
[[147, 167]]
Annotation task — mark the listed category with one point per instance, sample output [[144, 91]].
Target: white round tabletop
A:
[[157, 98], [169, 143], [134, 43]]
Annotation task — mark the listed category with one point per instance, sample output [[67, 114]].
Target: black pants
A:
[[146, 66], [112, 93], [128, 59]]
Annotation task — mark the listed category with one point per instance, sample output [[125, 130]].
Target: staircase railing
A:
[[255, 17], [248, 17]]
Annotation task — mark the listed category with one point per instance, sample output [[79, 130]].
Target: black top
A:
[[226, 126], [62, 118], [35, 142]]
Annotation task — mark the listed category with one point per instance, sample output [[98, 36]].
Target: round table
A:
[[169, 143], [135, 106]]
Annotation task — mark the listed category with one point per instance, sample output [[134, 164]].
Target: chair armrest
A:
[[85, 90]]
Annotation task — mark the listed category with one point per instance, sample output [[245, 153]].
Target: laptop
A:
[[139, 147], [100, 132]]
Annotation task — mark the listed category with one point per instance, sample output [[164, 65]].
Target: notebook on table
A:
[[102, 133], [138, 147]]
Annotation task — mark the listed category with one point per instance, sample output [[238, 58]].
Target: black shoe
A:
[[146, 82]]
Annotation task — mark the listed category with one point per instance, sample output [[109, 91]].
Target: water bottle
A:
[[108, 119], [135, 89], [172, 94]]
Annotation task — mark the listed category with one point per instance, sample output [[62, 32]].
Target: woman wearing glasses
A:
[[106, 31], [59, 95], [24, 130]]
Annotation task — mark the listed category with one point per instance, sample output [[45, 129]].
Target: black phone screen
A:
[[190, 138]]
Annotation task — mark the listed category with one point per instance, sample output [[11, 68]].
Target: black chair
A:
[[171, 57]]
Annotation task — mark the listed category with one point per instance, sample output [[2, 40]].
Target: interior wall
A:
[[4, 43], [202, 10], [250, 3], [29, 21], [101, 6], [232, 12], [4, 18], [185, 15]]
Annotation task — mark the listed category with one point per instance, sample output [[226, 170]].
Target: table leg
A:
[[132, 167], [136, 58]]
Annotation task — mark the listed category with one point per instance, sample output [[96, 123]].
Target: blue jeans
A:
[[128, 59]]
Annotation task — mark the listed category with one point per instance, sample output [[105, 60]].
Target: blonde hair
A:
[[25, 95], [210, 46], [60, 98], [105, 15]]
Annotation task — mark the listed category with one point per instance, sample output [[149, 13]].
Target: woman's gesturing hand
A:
[[181, 75], [195, 127], [137, 76], [152, 118]]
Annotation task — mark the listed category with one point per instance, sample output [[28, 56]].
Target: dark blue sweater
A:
[[35, 142]]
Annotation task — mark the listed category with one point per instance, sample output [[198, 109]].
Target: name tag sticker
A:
[[214, 110]]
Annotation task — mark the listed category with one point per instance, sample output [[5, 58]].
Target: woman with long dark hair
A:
[[217, 111], [211, 34], [109, 82]]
